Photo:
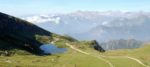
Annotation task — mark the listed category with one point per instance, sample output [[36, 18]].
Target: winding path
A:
[[137, 60], [110, 64]]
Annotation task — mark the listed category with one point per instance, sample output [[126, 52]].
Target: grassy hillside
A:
[[142, 54], [69, 59], [73, 58], [20, 34], [17, 34]]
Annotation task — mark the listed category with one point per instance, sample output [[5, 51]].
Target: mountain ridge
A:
[[100, 26], [20, 33]]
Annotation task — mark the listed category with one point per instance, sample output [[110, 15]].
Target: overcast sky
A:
[[26, 7]]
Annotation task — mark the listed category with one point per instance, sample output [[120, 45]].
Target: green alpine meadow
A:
[[74, 33]]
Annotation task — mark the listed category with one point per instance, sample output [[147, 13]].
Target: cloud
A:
[[42, 19]]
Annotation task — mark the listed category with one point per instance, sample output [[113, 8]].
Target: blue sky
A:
[[26, 7]]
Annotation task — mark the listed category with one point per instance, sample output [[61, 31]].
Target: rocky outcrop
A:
[[97, 46], [17, 33]]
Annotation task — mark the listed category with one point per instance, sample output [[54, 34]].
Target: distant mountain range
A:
[[121, 44], [100, 26]]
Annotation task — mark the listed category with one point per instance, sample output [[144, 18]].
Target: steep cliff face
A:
[[17, 33]]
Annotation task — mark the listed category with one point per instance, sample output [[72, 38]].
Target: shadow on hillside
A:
[[19, 34]]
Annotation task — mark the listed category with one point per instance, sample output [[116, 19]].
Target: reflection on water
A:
[[52, 49]]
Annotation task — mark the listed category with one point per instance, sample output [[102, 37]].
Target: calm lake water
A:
[[52, 49]]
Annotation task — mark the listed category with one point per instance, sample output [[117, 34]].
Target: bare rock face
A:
[[17, 33], [97, 46]]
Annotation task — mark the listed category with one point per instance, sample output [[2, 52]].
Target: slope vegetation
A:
[[21, 34]]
